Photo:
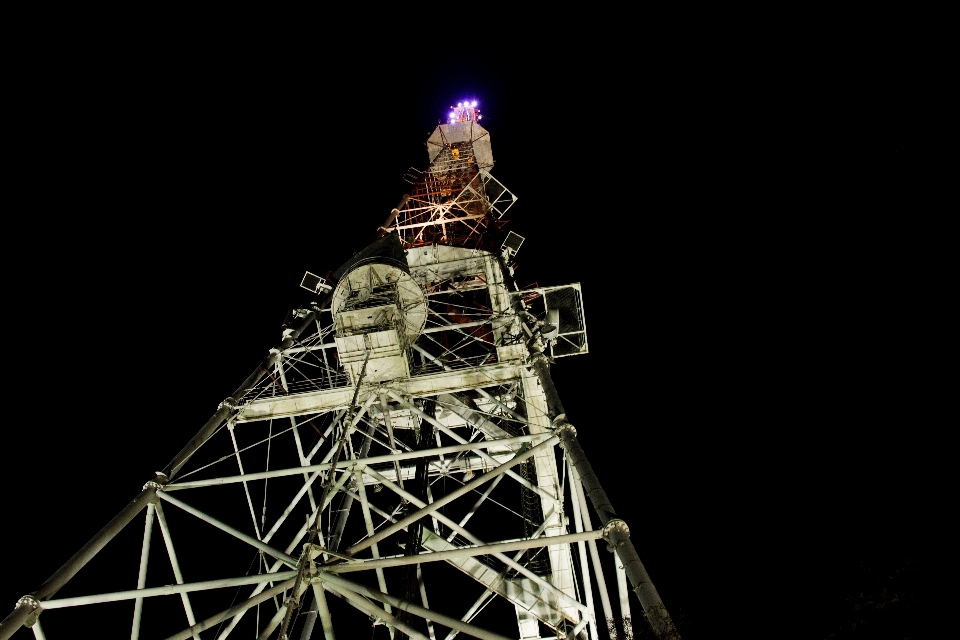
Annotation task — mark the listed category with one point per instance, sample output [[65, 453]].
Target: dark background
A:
[[764, 295]]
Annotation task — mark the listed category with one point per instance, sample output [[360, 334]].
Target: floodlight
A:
[[512, 243], [551, 326], [314, 283]]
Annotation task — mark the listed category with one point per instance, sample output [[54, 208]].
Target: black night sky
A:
[[763, 391]]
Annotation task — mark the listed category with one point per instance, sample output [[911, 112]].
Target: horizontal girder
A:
[[428, 385]]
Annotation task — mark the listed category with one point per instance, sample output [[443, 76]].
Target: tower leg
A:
[[325, 619], [615, 530], [22, 614], [576, 488], [624, 594], [142, 578]]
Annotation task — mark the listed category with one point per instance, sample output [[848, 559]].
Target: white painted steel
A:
[[624, 592], [296, 438], [232, 612], [289, 560], [577, 489], [346, 585], [426, 602], [38, 631], [347, 464], [453, 381], [548, 479], [534, 578], [450, 497], [142, 577], [462, 552], [246, 488], [175, 565], [486, 595], [490, 391], [167, 590], [586, 585], [469, 131], [456, 436], [368, 521], [371, 609], [323, 611], [481, 391]]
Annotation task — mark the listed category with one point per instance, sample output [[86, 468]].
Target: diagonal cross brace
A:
[[468, 487]]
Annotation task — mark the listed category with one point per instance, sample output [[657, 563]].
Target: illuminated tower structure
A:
[[413, 448]]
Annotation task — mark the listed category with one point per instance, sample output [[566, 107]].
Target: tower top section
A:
[[461, 130], [455, 201], [465, 111], [457, 137]]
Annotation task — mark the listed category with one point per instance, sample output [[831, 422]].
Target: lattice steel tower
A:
[[413, 448]]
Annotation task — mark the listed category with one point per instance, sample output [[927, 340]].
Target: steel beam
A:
[[426, 603], [296, 439], [142, 577], [38, 631], [346, 464], [270, 551], [368, 521], [483, 497], [326, 620], [450, 497], [175, 565], [333, 543], [489, 593], [167, 590], [456, 436], [482, 392], [584, 570], [293, 503], [581, 504], [61, 576], [228, 406], [543, 584], [429, 385], [459, 325], [463, 552], [388, 423], [232, 611], [343, 585], [616, 532], [624, 594], [376, 613], [246, 488]]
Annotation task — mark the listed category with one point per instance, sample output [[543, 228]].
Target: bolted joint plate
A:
[[564, 430], [314, 551], [616, 533], [29, 602], [536, 355], [157, 485]]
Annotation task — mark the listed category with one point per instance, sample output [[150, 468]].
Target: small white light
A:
[[459, 104], [474, 103]]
